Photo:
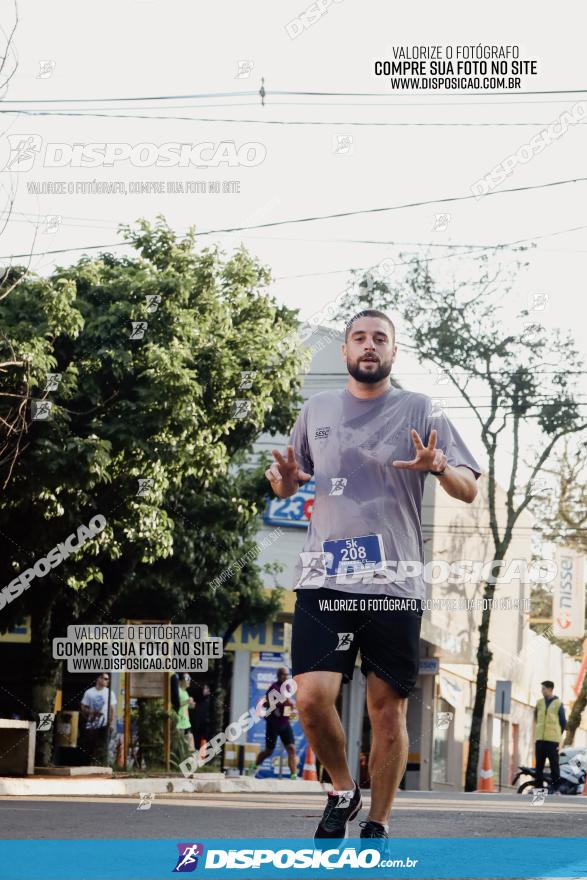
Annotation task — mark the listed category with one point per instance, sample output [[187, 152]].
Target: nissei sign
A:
[[428, 666], [568, 603]]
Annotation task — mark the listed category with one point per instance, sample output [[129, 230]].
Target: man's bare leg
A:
[[316, 702], [292, 759], [266, 753], [389, 745]]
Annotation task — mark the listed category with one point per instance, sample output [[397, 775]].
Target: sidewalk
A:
[[213, 783]]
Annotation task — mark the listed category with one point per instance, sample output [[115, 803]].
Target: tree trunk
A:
[[46, 677], [219, 691], [576, 712], [484, 657], [218, 700]]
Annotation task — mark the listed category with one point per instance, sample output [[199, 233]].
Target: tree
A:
[[12, 405], [8, 58], [576, 713], [149, 352], [565, 518], [224, 519], [458, 329]]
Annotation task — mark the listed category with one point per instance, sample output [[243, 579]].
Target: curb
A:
[[209, 783]]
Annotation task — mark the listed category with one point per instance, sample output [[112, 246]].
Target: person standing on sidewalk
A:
[[551, 723], [97, 724], [182, 717], [370, 447]]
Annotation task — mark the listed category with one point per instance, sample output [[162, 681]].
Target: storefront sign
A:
[[293, 511], [568, 601]]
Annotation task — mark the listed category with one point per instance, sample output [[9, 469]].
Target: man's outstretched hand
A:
[[285, 475], [428, 458]]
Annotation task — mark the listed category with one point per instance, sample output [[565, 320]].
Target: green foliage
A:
[[151, 718], [161, 408]]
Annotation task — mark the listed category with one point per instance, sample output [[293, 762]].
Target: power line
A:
[[446, 200], [379, 242], [474, 249], [500, 408], [308, 122], [189, 97], [443, 396], [455, 94], [282, 92], [366, 268], [432, 243], [335, 216], [462, 374], [96, 114]]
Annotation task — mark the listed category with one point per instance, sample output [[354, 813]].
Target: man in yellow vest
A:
[[551, 722]]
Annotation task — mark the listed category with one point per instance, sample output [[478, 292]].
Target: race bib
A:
[[350, 555]]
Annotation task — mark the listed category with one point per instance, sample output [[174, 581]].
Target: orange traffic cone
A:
[[486, 775], [310, 766]]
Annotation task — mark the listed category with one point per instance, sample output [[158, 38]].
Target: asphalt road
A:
[[416, 814]]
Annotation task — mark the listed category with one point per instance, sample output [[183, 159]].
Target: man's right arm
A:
[[288, 472], [281, 487]]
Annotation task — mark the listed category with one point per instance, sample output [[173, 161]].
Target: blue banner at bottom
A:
[[461, 857]]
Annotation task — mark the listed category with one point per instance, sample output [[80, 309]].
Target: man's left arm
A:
[[562, 718], [459, 482], [454, 466], [457, 477]]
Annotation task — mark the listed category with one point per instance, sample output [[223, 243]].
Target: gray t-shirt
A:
[[365, 531]]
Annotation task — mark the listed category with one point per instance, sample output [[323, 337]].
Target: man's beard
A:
[[369, 377]]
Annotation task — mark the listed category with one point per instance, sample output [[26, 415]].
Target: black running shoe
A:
[[339, 811], [372, 829], [377, 834]]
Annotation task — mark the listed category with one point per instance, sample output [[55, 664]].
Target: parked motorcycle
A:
[[573, 772]]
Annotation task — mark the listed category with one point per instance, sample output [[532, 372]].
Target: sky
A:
[[85, 58]]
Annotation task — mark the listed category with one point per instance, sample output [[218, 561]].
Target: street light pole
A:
[[501, 737]]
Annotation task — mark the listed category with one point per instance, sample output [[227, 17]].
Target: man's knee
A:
[[313, 697], [309, 704], [388, 719]]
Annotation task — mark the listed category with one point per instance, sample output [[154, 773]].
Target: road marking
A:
[[304, 803]]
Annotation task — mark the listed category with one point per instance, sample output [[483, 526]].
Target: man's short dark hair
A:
[[547, 684], [368, 313]]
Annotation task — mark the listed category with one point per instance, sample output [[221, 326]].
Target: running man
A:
[[370, 447], [278, 725]]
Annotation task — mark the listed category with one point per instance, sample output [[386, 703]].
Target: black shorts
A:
[[285, 734], [329, 640]]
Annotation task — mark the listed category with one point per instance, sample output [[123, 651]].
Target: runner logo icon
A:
[[344, 641], [187, 859], [338, 484]]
